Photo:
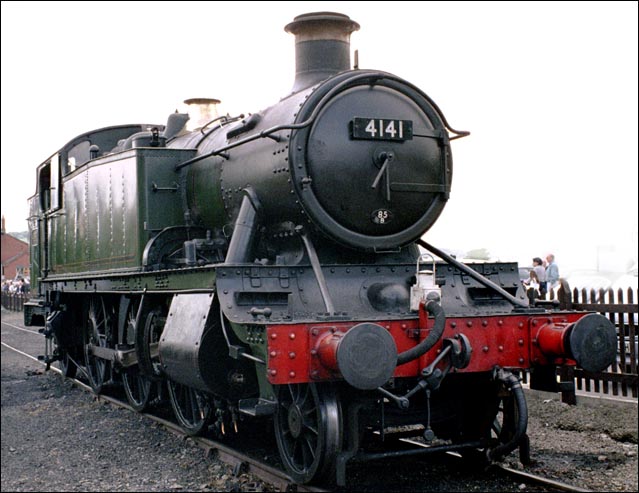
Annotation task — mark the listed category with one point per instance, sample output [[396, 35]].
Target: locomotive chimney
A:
[[322, 46]]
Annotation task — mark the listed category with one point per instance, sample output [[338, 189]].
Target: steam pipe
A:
[[319, 275], [435, 335], [245, 229]]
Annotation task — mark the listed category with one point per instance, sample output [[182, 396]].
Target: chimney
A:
[[322, 46]]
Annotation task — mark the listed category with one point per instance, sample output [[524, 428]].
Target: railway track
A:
[[244, 463]]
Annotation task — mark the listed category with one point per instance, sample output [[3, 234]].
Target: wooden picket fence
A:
[[621, 377], [14, 301]]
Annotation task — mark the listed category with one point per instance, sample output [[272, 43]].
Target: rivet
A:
[[273, 372], [313, 352], [292, 374], [534, 322], [520, 342], [501, 348], [484, 323], [273, 335], [469, 323], [521, 325], [500, 323], [485, 349], [291, 355], [314, 374], [521, 360], [314, 332], [453, 324], [291, 335], [272, 354]]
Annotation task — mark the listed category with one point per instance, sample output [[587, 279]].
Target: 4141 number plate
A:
[[381, 129]]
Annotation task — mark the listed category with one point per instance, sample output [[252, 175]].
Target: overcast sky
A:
[[547, 90]]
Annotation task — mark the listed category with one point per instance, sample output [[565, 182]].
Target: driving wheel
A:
[[96, 332], [192, 408], [308, 430], [137, 386]]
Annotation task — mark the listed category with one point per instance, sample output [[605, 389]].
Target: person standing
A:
[[552, 272], [538, 269]]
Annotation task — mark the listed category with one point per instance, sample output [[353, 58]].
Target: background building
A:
[[15, 256]]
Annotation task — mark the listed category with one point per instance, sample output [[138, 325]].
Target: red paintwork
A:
[[326, 348], [302, 353], [550, 339]]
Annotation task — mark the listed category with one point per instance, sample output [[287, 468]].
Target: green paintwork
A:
[[111, 207], [255, 337]]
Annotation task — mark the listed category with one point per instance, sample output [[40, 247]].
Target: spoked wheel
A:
[[308, 429], [501, 433], [506, 423], [96, 331], [503, 427], [137, 386], [146, 341], [192, 408]]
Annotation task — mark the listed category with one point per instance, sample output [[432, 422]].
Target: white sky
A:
[[548, 91]]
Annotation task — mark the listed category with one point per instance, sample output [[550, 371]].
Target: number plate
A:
[[381, 129]]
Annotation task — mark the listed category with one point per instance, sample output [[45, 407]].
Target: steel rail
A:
[[22, 329], [540, 480], [526, 476]]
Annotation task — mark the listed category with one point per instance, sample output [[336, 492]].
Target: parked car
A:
[[524, 273], [588, 280], [627, 280]]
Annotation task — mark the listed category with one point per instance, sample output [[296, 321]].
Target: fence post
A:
[[567, 385]]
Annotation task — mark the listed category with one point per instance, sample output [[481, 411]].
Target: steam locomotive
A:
[[271, 266]]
